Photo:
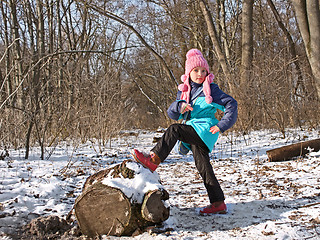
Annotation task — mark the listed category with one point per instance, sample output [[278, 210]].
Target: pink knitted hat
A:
[[195, 59]]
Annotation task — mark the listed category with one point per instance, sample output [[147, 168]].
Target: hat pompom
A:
[[184, 78], [208, 99], [193, 52], [183, 87]]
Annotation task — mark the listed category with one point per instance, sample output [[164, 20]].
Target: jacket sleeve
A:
[[231, 108], [174, 109]]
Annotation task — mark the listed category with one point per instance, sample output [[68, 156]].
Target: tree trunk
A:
[[308, 17], [59, 47], [294, 150], [28, 136], [106, 210], [217, 45], [17, 51], [6, 33], [247, 42], [224, 30]]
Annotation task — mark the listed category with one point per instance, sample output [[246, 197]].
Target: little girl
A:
[[201, 130]]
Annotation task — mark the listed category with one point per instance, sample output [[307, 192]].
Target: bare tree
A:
[[246, 43], [17, 48], [216, 42], [122, 21], [5, 19], [292, 46], [308, 17]]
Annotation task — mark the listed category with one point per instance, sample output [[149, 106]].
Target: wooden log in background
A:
[[106, 210], [293, 150]]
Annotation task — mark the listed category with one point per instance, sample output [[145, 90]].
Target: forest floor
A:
[[265, 200]]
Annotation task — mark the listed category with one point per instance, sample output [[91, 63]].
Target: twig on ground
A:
[[310, 205]]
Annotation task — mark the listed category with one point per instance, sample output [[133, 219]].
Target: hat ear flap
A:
[[184, 86], [210, 78], [208, 99], [206, 88]]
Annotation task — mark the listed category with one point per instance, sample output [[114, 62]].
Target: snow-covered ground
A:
[[266, 200]]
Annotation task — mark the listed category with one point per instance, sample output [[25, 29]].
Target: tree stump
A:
[[120, 200]]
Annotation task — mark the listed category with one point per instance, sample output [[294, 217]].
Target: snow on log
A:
[[121, 200], [294, 150]]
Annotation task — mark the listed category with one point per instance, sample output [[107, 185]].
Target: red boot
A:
[[220, 209], [150, 161]]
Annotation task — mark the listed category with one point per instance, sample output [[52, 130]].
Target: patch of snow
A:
[[143, 182]]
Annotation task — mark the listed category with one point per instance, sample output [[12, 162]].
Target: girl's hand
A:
[[214, 129], [185, 107]]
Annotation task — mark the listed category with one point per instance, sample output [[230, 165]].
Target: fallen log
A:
[[120, 201], [293, 150]]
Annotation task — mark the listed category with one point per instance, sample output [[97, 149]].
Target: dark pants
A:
[[200, 152]]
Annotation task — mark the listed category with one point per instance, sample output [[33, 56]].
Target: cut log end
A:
[[103, 210], [153, 208]]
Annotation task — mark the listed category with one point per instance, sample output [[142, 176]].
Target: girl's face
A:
[[198, 74]]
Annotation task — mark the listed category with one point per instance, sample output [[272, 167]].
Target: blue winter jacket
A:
[[202, 118]]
